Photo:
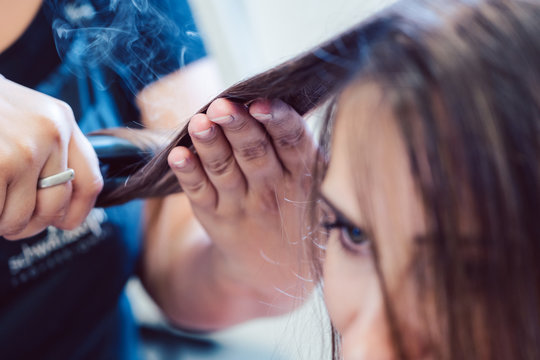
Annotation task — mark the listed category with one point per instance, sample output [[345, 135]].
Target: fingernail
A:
[[262, 117], [204, 134], [180, 163], [223, 120]]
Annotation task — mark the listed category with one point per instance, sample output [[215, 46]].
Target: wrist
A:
[[250, 275]]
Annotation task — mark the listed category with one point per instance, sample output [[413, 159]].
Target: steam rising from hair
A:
[[138, 40], [483, 62]]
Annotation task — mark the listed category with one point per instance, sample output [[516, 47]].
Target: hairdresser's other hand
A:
[[40, 138], [249, 185]]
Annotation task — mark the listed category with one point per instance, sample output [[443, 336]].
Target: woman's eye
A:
[[355, 235], [352, 238]]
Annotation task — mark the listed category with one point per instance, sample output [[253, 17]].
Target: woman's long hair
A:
[[463, 81], [304, 83], [464, 78]]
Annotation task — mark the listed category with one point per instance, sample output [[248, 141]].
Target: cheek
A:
[[350, 287], [341, 287], [355, 304]]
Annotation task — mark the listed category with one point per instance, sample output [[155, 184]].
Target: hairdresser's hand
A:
[[40, 138], [249, 185]]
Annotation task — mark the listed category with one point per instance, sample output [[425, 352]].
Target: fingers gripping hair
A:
[[303, 83]]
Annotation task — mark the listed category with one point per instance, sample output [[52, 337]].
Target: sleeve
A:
[[170, 39], [138, 40]]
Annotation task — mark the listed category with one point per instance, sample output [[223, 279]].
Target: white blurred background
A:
[[248, 36]]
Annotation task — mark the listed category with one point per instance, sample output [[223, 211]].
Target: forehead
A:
[[360, 134], [366, 129], [369, 171], [347, 133]]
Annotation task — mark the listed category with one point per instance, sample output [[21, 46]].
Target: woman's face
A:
[[369, 183]]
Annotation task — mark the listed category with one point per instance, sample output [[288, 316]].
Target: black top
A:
[[62, 291]]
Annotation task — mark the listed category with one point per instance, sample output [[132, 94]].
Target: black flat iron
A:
[[118, 159]]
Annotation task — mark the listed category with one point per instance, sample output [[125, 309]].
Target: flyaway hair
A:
[[303, 82], [462, 78]]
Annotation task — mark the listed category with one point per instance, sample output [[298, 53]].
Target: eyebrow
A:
[[342, 217]]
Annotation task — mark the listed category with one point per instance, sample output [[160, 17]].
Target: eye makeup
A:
[[353, 238]]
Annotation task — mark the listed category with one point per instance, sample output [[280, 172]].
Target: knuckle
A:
[[283, 111], [220, 166], [49, 134], [254, 150], [49, 127], [11, 165], [268, 201], [195, 187], [16, 221], [97, 185], [15, 228], [208, 140], [204, 202], [238, 124], [52, 212], [53, 135], [26, 155], [231, 183], [291, 139], [199, 194], [59, 215], [92, 188], [65, 109]]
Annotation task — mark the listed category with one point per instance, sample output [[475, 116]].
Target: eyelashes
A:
[[353, 238], [355, 235]]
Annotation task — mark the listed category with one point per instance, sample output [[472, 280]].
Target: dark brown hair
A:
[[464, 76], [463, 81], [303, 83]]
